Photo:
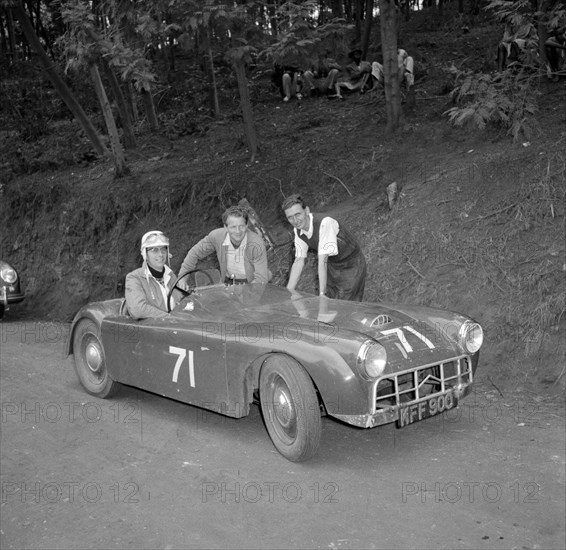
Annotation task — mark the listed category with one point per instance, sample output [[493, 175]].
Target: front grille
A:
[[423, 382]]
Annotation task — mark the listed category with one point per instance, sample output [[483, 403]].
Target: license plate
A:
[[414, 412]]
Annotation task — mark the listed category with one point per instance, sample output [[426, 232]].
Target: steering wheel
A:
[[190, 290]]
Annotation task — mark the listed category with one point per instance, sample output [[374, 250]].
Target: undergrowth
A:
[[504, 99], [513, 256]]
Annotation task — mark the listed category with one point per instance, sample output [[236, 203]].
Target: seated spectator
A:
[[288, 80], [555, 49], [321, 80], [405, 64], [147, 288], [356, 75]]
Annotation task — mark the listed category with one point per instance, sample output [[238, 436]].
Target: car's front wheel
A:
[[90, 363], [290, 408]]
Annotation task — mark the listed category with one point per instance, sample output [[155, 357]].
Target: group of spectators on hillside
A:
[[331, 79], [518, 40]]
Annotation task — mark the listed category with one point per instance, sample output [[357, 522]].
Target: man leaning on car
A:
[[341, 262], [241, 253]]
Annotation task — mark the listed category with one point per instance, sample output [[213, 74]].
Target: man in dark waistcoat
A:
[[341, 263]]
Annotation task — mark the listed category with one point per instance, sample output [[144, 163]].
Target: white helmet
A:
[[151, 239]]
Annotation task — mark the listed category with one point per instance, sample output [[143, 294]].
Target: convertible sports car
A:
[[10, 292], [300, 356]]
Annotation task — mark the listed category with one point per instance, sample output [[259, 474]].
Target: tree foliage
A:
[[508, 99], [170, 58], [501, 99], [301, 42], [85, 41]]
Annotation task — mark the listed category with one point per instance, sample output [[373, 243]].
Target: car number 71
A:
[[182, 353], [401, 335]]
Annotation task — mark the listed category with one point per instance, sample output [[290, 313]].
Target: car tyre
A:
[[90, 362], [290, 408]]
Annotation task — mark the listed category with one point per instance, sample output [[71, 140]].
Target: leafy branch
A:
[[503, 99]]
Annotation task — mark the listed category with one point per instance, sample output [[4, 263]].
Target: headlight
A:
[[372, 357], [470, 336], [9, 275]]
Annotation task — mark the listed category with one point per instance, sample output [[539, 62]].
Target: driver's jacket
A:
[[145, 296]]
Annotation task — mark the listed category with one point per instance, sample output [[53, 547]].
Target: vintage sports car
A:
[[298, 355], [10, 292]]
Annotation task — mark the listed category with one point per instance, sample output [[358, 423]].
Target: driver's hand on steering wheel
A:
[[184, 285]]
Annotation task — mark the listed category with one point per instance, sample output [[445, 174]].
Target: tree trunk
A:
[[407, 9], [117, 151], [38, 18], [125, 119], [150, 109], [388, 23], [272, 19], [337, 8], [358, 13], [321, 19], [541, 30], [58, 83], [348, 10], [367, 28], [132, 103], [249, 126], [209, 64], [12, 35], [214, 103], [3, 37]]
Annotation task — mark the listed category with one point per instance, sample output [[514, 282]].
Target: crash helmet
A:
[[152, 239]]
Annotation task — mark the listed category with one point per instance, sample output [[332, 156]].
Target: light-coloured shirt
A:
[[235, 258], [162, 284], [327, 238]]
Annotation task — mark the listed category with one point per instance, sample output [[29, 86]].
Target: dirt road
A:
[[141, 471]]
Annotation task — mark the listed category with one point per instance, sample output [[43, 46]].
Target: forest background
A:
[[121, 117]]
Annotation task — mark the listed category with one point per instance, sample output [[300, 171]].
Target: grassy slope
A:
[[479, 226]]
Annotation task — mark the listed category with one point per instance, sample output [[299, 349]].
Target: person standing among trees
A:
[[341, 263]]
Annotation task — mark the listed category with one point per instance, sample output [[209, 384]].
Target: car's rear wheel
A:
[[290, 408], [90, 363]]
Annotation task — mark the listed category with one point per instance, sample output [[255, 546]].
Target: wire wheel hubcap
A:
[[93, 356], [284, 412]]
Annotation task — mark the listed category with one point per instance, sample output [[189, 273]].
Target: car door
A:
[[168, 357]]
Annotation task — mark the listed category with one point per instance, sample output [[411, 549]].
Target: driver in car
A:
[[147, 287], [241, 253]]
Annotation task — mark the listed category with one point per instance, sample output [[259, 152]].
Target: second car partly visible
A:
[[10, 291]]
